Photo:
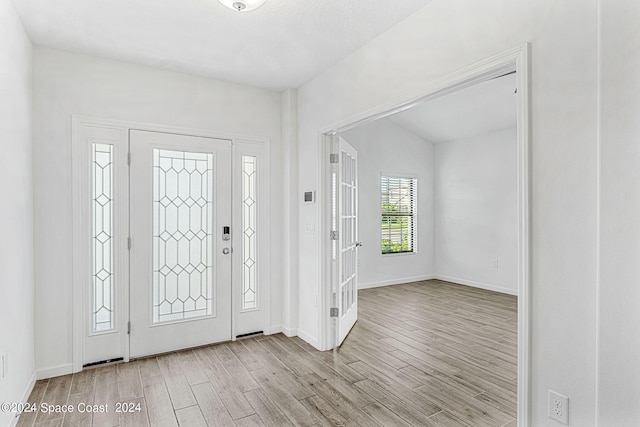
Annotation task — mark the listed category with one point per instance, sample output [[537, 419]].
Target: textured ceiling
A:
[[482, 108], [283, 44]]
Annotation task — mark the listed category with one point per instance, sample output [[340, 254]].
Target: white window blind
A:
[[399, 214]]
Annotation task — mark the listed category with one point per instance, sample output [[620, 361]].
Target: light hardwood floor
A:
[[424, 354]]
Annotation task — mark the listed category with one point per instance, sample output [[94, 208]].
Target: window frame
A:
[[413, 215]]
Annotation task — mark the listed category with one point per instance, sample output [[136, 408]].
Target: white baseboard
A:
[[277, 329], [55, 371], [457, 280], [290, 332], [274, 329], [476, 284], [398, 281], [308, 338], [25, 396]]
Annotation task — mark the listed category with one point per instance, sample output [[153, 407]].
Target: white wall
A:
[[16, 209], [66, 84], [467, 206], [443, 37], [386, 148], [619, 289], [476, 211], [290, 210]]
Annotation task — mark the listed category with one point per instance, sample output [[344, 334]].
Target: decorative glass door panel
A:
[[102, 239], [182, 235], [252, 239], [249, 229], [180, 199]]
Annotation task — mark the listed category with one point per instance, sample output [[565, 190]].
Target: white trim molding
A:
[[55, 371], [392, 282], [515, 59], [25, 396], [308, 338], [474, 284], [454, 280], [289, 332], [281, 329]]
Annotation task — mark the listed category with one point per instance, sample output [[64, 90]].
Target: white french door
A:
[[346, 250], [180, 221]]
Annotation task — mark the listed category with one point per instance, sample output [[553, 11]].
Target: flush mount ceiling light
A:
[[242, 5]]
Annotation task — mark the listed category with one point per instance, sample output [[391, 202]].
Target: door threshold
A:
[[103, 363], [249, 335]]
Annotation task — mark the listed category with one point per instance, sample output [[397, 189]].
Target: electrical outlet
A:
[[558, 407], [494, 264]]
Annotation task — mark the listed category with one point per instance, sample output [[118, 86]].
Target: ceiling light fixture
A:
[[242, 5]]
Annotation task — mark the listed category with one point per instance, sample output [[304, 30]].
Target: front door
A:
[[180, 255]]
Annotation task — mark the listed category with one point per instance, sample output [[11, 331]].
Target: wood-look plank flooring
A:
[[424, 354]]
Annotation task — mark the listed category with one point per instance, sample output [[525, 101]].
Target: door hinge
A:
[[129, 158], [333, 312], [129, 243], [334, 235], [129, 327], [334, 158]]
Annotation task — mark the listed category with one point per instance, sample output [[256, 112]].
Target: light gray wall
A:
[[385, 148], [476, 211], [446, 36], [16, 210], [619, 278], [66, 84]]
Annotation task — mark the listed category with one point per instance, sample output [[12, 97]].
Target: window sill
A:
[[394, 254]]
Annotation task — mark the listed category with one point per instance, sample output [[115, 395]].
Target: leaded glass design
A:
[[182, 235], [102, 237], [249, 226]]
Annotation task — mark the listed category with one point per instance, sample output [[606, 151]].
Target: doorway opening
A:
[[513, 62]]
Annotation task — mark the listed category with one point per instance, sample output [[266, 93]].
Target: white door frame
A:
[[516, 59], [241, 144]]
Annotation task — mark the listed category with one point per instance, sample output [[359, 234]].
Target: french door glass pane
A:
[[348, 232], [182, 285], [102, 237]]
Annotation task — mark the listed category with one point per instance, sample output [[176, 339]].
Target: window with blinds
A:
[[399, 214]]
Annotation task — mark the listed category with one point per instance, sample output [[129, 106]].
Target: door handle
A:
[[358, 244], [226, 251]]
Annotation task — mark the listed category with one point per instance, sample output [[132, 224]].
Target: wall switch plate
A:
[[558, 407]]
